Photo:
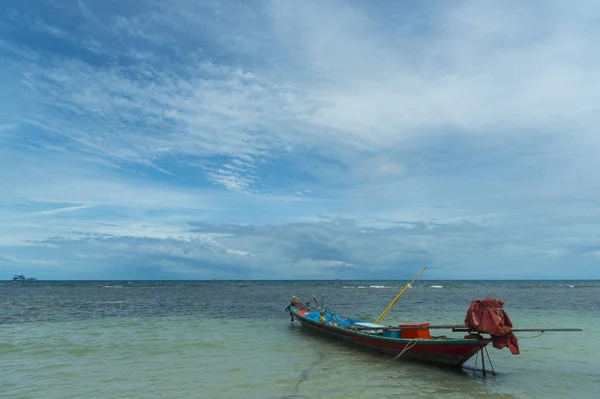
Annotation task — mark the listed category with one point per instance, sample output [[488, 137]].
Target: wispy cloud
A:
[[341, 248], [273, 114], [60, 210]]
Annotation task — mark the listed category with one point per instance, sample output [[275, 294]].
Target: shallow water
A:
[[234, 340]]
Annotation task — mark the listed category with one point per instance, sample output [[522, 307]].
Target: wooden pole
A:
[[389, 307], [398, 328], [482, 361], [462, 328]]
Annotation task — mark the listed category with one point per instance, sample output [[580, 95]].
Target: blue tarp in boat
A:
[[331, 318]]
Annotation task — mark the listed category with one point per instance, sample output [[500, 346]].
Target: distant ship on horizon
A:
[[18, 278]]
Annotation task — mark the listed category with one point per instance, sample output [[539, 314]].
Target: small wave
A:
[[436, 286], [584, 286], [113, 286], [364, 286]]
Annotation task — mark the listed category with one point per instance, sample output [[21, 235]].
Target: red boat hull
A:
[[447, 352]]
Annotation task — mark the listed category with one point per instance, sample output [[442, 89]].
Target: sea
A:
[[233, 339]]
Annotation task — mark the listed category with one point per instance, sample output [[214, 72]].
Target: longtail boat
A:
[[405, 340], [414, 340]]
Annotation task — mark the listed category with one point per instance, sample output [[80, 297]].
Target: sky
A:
[[299, 140]]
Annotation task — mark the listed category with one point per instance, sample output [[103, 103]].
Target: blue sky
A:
[[273, 139]]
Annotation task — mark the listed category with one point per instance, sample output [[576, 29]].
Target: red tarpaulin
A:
[[488, 317]]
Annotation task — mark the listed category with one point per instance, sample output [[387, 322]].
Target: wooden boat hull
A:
[[446, 352]]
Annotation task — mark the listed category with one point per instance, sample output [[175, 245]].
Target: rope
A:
[[304, 377], [410, 344], [534, 336], [484, 352], [335, 320]]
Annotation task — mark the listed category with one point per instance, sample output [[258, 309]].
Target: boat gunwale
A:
[[350, 332]]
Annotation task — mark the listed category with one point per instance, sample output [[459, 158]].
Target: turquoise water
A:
[[234, 340]]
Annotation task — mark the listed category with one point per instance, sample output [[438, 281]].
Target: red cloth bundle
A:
[[488, 316]]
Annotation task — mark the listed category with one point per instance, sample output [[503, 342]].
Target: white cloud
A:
[[472, 72], [326, 249], [480, 112], [371, 88], [60, 210]]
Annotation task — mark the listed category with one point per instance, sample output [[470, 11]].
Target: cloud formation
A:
[[275, 140]]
